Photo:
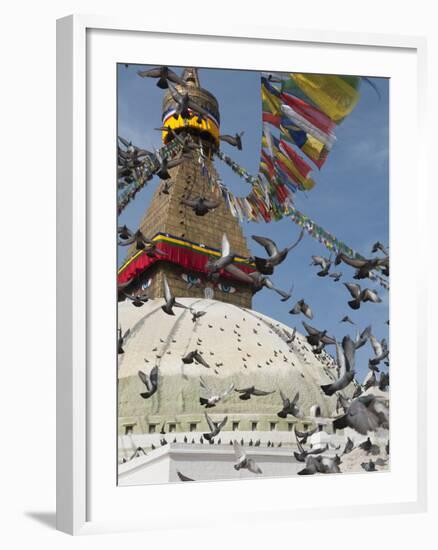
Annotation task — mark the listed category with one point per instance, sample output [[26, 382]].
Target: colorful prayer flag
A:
[[335, 95], [294, 157], [310, 113], [270, 103], [297, 118]]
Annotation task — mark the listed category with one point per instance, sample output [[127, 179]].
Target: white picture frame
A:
[[81, 487]]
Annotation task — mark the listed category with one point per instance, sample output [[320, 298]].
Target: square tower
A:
[[188, 239]]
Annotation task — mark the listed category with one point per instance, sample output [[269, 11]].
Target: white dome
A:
[[241, 346]]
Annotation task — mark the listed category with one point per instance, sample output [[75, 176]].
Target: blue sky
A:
[[350, 199]]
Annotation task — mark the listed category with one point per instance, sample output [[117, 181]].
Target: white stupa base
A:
[[209, 462], [204, 462]]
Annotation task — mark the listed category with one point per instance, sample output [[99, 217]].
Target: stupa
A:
[[240, 346]]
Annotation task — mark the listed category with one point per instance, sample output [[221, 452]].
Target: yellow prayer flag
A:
[[307, 183], [270, 103], [312, 147], [332, 94]]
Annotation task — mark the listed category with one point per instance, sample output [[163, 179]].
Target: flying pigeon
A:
[[166, 164], [317, 337], [359, 295], [164, 75], [302, 307], [365, 414], [321, 465], [197, 315], [364, 266], [289, 407], [276, 256], [243, 461], [335, 275], [362, 338], [195, 356], [235, 141], [225, 259], [290, 338], [201, 205], [151, 382], [213, 397], [345, 358], [246, 393], [138, 300], [380, 349], [347, 319], [303, 436], [379, 246], [132, 152], [215, 427], [121, 339], [169, 298], [138, 238], [261, 281], [185, 106], [302, 454]]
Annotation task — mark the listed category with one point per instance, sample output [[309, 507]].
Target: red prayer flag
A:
[[301, 165], [271, 119], [312, 114]]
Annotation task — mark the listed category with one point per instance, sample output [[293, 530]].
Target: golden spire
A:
[[207, 127], [190, 75]]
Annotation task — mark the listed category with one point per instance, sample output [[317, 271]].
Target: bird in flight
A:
[[122, 339], [243, 461], [138, 300], [345, 358], [213, 397], [275, 256], [215, 427], [359, 295], [302, 307], [164, 75], [151, 382], [246, 393], [365, 414], [195, 356], [289, 406], [170, 301], [201, 205], [235, 141]]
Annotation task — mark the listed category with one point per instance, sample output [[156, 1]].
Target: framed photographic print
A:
[[228, 313]]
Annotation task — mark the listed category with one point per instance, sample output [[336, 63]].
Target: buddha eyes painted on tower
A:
[[191, 279], [194, 280], [228, 289], [146, 284]]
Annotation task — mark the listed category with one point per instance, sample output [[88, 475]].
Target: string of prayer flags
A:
[[149, 166], [330, 241], [305, 109], [270, 201]]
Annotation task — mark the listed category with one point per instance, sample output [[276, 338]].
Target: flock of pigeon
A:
[[364, 411]]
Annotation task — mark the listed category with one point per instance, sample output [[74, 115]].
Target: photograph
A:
[[221, 193], [252, 274]]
